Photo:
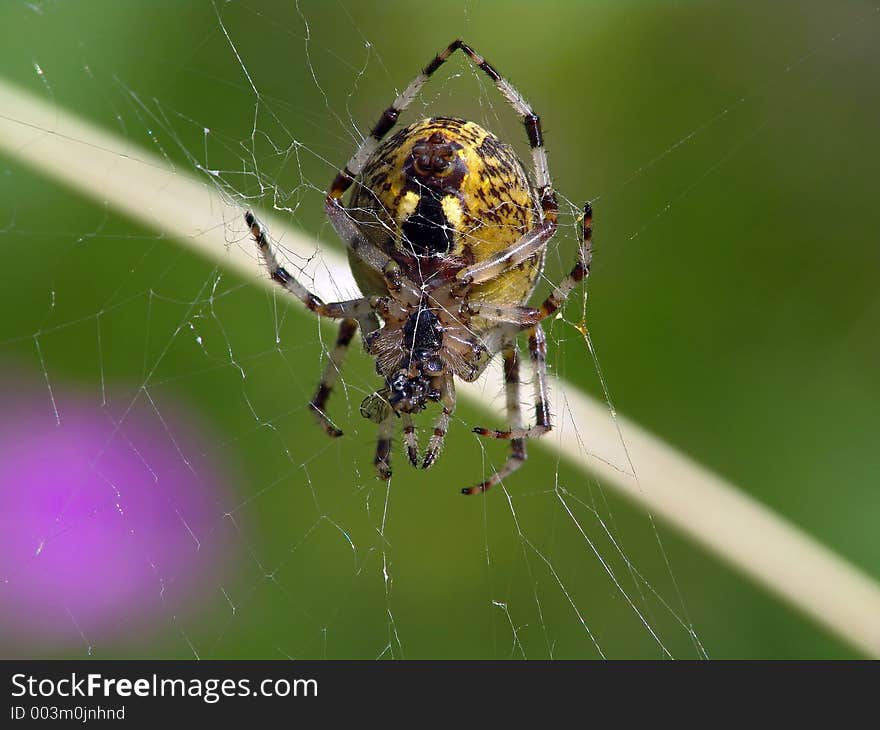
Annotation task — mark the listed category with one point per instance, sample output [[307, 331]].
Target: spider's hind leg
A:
[[517, 445]]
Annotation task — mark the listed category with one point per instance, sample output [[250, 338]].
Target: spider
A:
[[446, 237]]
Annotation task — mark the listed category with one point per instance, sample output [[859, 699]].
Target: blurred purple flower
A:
[[111, 521]]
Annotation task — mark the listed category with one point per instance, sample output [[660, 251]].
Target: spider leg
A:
[[580, 271], [345, 226], [344, 179], [389, 117], [538, 353], [409, 439], [328, 378], [531, 242], [517, 445], [382, 461], [534, 241], [516, 315], [521, 316], [531, 121], [441, 425], [353, 308]]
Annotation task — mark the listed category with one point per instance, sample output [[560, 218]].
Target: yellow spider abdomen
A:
[[443, 194]]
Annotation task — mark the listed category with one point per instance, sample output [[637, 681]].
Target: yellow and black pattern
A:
[[487, 203]]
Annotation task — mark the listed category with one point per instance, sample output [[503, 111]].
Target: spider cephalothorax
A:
[[446, 236]]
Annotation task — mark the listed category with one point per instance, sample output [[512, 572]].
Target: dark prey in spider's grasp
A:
[[446, 235]]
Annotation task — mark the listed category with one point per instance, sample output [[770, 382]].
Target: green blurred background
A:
[[731, 152]]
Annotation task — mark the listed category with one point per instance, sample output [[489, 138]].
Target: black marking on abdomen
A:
[[427, 230]]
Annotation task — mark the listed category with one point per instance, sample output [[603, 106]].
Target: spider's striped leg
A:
[[516, 315], [409, 439], [328, 378], [389, 117], [382, 461], [528, 318], [517, 445], [525, 317], [353, 308], [534, 241], [345, 227], [441, 425], [531, 243], [538, 353], [345, 177], [532, 124], [580, 271], [385, 124], [531, 121]]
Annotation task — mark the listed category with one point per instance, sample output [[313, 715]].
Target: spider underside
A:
[[446, 236]]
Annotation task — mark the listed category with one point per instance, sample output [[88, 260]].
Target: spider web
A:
[[175, 391]]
